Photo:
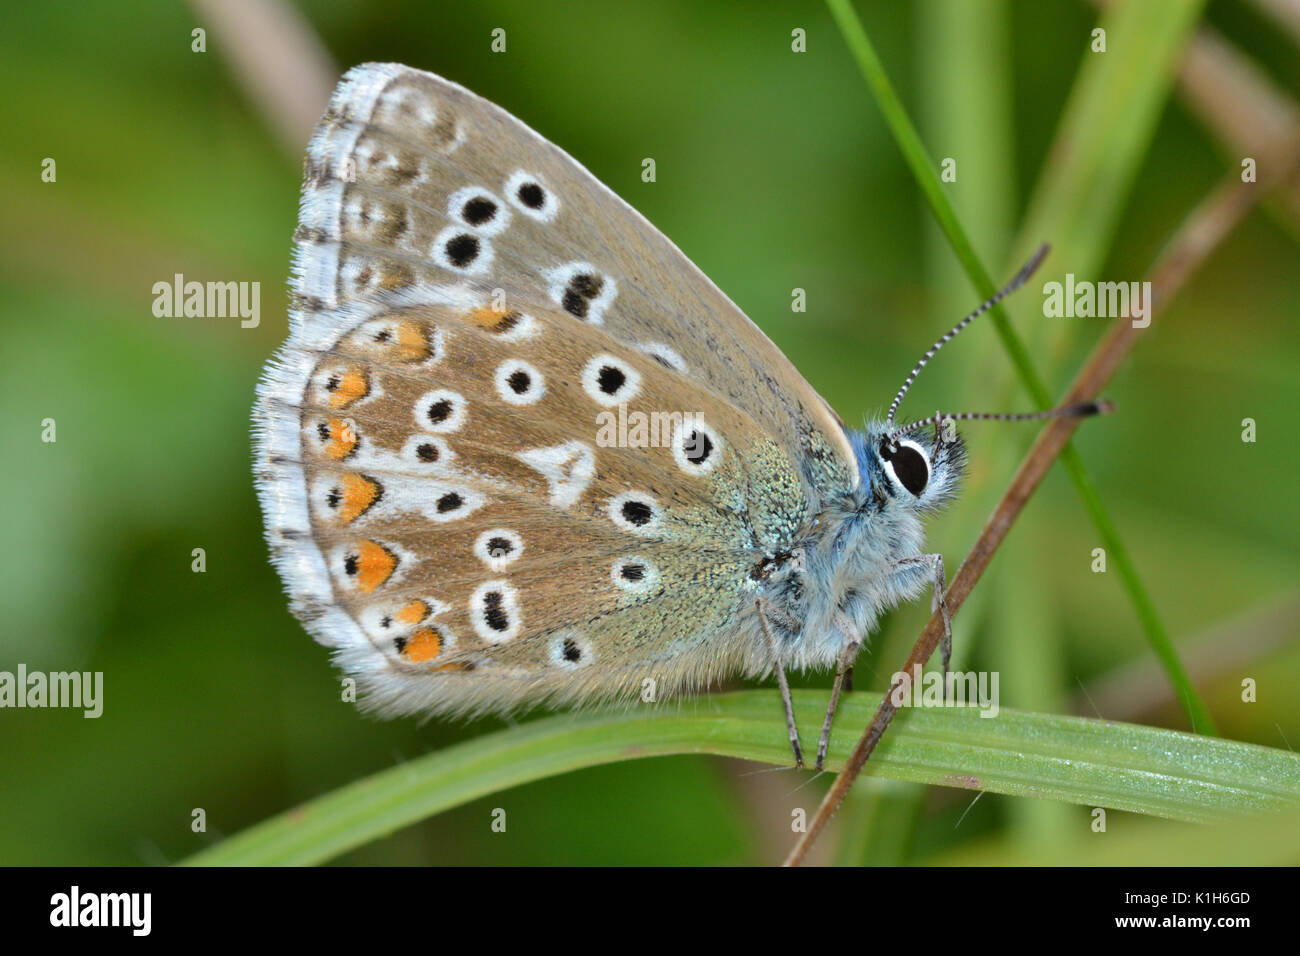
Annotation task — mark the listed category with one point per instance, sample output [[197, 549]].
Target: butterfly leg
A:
[[785, 686], [937, 602], [843, 681]]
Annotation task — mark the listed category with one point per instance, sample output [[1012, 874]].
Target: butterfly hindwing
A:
[[456, 491]]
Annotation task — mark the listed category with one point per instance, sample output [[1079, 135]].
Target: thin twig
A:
[[1200, 233], [278, 58]]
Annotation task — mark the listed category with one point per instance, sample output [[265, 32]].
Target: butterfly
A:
[[442, 497]]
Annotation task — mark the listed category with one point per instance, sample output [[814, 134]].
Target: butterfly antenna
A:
[[1017, 281], [1079, 410]]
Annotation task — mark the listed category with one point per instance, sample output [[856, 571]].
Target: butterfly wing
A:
[[457, 494]]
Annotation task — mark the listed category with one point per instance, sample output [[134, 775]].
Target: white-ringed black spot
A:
[[494, 611], [478, 211], [427, 452], [519, 383], [696, 447], [462, 250], [441, 411], [531, 195], [637, 513], [665, 355], [451, 501], [610, 381], [569, 650], [582, 288], [498, 547], [634, 574]]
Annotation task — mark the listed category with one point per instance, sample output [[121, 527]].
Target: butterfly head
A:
[[910, 464], [919, 471]]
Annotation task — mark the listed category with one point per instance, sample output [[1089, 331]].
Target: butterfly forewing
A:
[[456, 491]]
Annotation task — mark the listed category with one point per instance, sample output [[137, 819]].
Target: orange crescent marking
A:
[[343, 439], [413, 613], [352, 385], [412, 346], [359, 493], [424, 645], [375, 565]]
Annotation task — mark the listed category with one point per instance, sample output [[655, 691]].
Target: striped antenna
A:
[[1020, 279], [1079, 410]]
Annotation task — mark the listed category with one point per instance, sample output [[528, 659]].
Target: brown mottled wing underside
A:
[[443, 454]]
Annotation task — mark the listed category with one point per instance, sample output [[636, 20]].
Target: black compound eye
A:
[[910, 466]]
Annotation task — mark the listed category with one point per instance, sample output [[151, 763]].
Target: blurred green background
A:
[[775, 172]]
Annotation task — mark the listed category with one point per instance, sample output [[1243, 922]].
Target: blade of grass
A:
[[1106, 126], [923, 170], [965, 87], [880, 818], [1089, 762], [1254, 842]]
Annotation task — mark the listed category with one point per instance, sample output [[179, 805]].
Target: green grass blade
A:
[[1108, 122], [924, 170], [1088, 762]]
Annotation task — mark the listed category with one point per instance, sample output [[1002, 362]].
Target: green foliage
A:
[[1089, 762], [776, 171]]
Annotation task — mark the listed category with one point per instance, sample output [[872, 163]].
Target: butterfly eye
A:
[[908, 464]]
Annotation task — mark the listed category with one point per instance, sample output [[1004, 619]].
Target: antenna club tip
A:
[[1099, 406]]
